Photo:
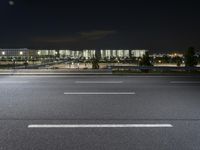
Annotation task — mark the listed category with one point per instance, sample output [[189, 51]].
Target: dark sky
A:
[[80, 24]]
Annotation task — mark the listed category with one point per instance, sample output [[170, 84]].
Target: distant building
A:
[[122, 53], [172, 55], [14, 52], [87, 54], [176, 55]]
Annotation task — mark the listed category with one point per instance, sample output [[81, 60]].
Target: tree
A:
[[178, 61], [26, 64], [96, 59], [166, 59], [95, 63], [57, 54], [112, 59], [63, 56], [190, 58], [145, 60]]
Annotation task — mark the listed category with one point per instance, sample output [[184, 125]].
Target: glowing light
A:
[[11, 3], [21, 53], [3, 53]]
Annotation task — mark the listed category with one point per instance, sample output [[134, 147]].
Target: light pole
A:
[[21, 53], [14, 62], [39, 57]]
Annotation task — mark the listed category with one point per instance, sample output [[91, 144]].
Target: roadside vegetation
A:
[[191, 60]]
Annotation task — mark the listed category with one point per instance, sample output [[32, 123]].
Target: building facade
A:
[[15, 52], [87, 54]]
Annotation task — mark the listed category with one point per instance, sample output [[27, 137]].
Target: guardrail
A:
[[154, 68], [53, 71]]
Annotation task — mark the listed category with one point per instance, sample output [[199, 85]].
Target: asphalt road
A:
[[135, 110]]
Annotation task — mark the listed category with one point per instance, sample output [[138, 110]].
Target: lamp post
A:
[[21, 53], [3, 53], [39, 56], [14, 62]]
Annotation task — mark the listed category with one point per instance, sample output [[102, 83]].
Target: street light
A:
[[3, 53], [14, 62], [21, 53]]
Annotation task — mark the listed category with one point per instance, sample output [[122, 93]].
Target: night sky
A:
[[95, 24]]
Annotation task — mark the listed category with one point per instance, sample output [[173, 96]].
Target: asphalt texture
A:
[[26, 100]]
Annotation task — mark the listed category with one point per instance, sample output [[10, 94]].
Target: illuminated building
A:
[[86, 53]]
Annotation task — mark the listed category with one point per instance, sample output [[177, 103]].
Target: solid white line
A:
[[99, 93], [185, 82], [100, 126], [98, 82]]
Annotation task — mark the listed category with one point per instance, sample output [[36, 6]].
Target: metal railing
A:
[[154, 68]]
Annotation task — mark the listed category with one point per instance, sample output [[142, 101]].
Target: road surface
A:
[[99, 112]]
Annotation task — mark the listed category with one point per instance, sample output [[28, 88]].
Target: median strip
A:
[[100, 126]]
